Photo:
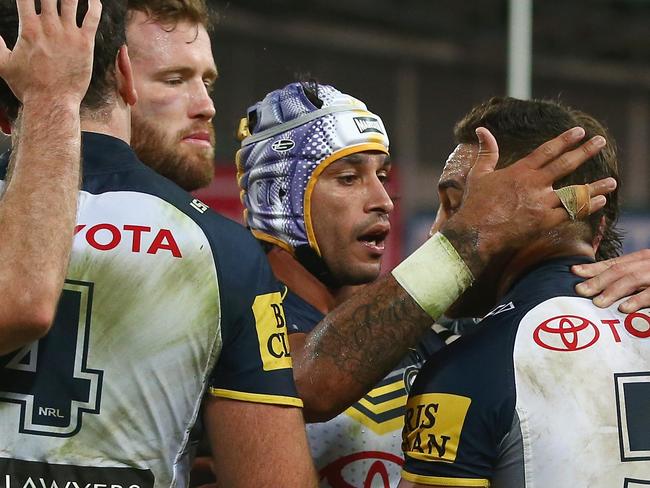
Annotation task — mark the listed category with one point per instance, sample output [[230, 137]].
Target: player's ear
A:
[[599, 233], [5, 124], [124, 72]]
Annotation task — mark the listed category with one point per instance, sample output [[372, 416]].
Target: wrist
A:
[[435, 275], [61, 117], [64, 102], [468, 243]]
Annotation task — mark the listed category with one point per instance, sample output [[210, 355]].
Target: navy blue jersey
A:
[[549, 391], [361, 446], [164, 301], [301, 316]]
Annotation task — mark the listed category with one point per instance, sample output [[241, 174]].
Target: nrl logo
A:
[[368, 124]]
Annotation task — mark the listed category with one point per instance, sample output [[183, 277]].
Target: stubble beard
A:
[[190, 168]]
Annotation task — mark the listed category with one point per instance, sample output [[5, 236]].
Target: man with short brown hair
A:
[[159, 325], [174, 72]]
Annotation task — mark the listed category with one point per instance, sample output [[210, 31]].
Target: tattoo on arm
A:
[[365, 337]]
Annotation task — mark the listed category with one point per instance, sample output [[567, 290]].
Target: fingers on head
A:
[[570, 160], [550, 150], [602, 187], [69, 10]]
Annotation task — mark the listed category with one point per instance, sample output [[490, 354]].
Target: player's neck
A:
[[114, 120], [548, 247], [300, 281]]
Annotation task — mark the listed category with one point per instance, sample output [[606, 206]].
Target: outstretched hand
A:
[[502, 209], [52, 55], [613, 279]]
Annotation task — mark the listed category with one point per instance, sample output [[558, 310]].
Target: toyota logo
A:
[[566, 333], [375, 476]]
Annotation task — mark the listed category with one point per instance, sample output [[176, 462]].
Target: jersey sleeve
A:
[[255, 360], [301, 316], [459, 410]]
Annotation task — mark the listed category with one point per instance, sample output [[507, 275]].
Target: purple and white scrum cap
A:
[[286, 143]]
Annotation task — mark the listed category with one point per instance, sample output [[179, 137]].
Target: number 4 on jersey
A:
[[49, 378]]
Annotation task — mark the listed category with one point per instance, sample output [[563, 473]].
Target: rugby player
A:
[[39, 202], [174, 73], [550, 389], [317, 251], [157, 310]]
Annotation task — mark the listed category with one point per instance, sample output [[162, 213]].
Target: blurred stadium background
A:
[[421, 64]]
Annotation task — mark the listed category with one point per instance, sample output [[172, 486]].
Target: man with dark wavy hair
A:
[[159, 325], [548, 390]]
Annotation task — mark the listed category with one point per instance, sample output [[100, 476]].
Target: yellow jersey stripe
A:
[[440, 481], [256, 397]]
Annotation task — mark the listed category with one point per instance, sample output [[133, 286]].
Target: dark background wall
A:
[[421, 64]]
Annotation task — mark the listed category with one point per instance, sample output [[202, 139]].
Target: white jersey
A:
[[163, 300], [361, 447], [551, 391]]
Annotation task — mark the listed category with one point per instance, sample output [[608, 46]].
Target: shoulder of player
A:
[[225, 235], [478, 365], [301, 316]]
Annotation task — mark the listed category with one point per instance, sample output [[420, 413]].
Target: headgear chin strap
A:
[[286, 143]]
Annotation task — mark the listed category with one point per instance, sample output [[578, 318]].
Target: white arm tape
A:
[[434, 275]]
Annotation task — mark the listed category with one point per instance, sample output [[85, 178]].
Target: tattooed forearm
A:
[[356, 345]]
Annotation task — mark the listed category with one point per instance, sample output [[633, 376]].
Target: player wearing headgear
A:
[[291, 141], [312, 169]]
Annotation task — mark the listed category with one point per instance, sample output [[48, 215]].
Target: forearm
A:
[[354, 347], [37, 217], [357, 344]]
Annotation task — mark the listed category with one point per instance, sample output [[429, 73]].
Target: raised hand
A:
[[503, 208], [49, 70], [52, 55]]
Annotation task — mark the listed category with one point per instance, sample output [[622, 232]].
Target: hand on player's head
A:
[[504, 209]]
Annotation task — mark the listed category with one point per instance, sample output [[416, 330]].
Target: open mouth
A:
[[375, 238]]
